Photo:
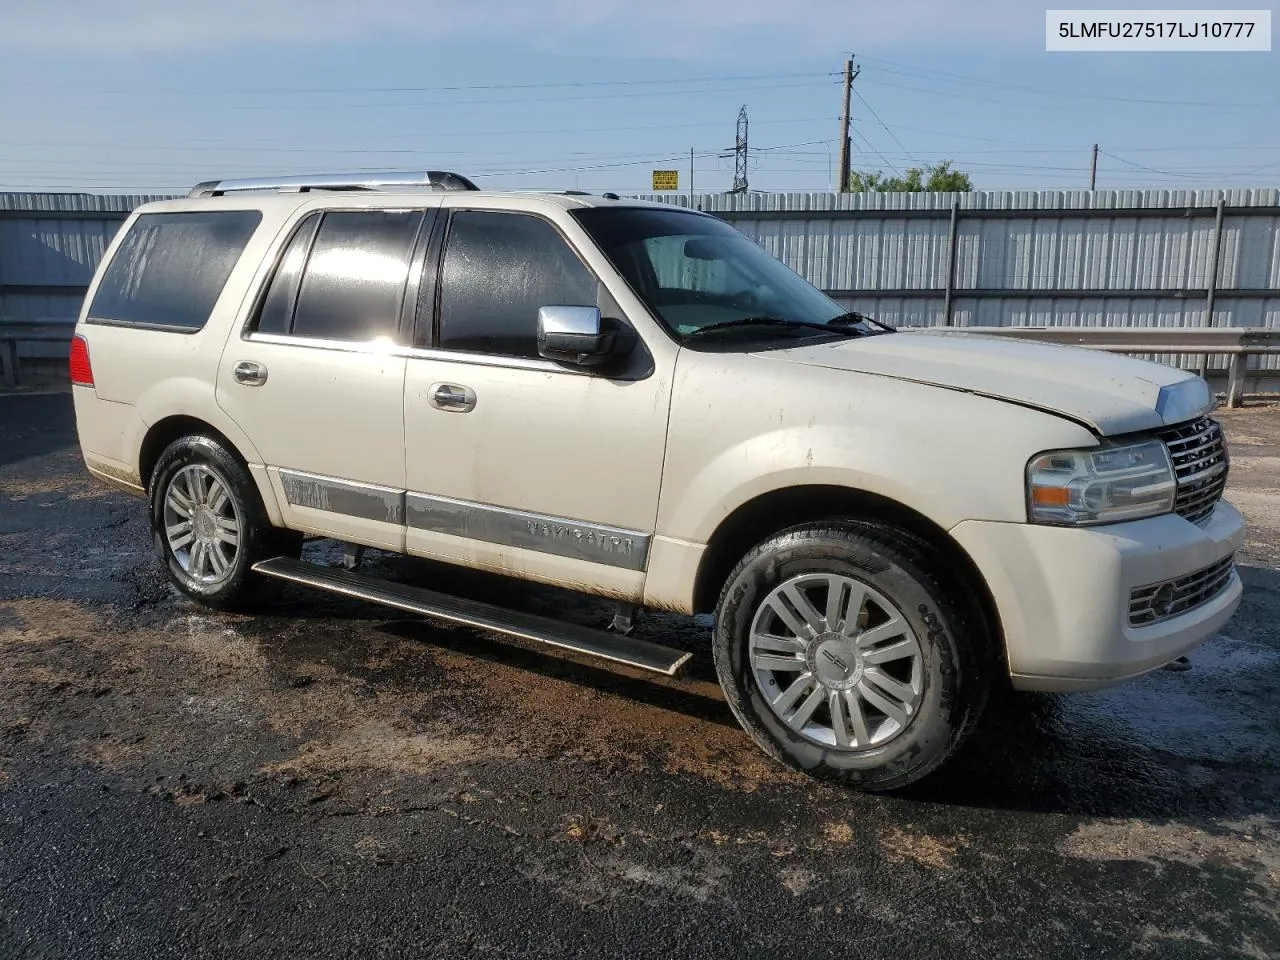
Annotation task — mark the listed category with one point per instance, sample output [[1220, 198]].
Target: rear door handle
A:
[[249, 373], [451, 398]]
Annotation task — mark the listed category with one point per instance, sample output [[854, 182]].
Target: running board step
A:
[[471, 613]]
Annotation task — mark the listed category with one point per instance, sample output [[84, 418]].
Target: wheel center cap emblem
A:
[[204, 524], [835, 663]]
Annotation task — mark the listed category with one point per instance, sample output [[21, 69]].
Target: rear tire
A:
[[845, 651], [208, 524]]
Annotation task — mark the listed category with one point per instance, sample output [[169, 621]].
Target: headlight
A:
[[1101, 485]]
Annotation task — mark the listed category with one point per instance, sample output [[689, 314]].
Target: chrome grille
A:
[[1200, 460], [1162, 601]]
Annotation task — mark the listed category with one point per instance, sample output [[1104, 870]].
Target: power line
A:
[[457, 88], [442, 135], [479, 169], [956, 95], [887, 129], [892, 166], [924, 73], [1201, 175], [266, 104]]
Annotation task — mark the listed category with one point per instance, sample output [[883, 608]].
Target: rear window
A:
[[171, 267]]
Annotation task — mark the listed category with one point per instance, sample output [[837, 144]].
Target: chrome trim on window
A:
[[573, 539], [386, 347], [490, 360], [399, 351], [346, 497]]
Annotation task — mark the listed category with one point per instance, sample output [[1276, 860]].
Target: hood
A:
[[1110, 394]]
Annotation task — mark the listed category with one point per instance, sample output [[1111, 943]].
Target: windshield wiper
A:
[[853, 317], [765, 321]]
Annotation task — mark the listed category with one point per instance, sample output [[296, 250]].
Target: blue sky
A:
[[593, 94]]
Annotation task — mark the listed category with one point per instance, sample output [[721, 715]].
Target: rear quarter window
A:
[[171, 267]]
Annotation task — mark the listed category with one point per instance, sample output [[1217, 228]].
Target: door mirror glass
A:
[[575, 335]]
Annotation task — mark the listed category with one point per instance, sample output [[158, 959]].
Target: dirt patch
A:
[[19, 489], [837, 833], [330, 699], [797, 880], [1250, 848], [1253, 843], [937, 853], [377, 746]]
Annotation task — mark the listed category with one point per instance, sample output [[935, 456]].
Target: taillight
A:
[[81, 370]]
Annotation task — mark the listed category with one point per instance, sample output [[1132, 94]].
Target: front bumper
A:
[[1063, 593]]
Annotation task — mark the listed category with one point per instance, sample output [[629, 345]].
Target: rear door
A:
[[317, 378]]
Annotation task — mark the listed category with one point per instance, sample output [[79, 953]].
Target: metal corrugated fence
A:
[[1116, 258], [1052, 258], [50, 244]]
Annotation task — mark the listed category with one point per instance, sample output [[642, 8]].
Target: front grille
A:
[[1161, 601], [1200, 460]]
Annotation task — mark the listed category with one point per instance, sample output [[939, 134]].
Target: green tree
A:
[[934, 178]]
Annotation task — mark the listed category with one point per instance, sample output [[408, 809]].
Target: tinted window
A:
[[171, 267], [499, 268], [276, 315], [355, 276], [697, 274]]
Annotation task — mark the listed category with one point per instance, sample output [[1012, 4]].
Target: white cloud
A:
[[632, 27]]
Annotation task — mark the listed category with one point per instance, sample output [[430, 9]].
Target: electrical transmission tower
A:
[[740, 155]]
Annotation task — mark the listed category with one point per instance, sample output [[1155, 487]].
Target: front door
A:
[[318, 382], [514, 463]]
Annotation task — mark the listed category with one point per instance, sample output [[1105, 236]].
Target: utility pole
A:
[[1093, 169], [845, 146], [740, 155], [691, 178]]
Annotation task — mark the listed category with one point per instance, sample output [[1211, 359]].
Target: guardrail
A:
[[1238, 343], [14, 332]]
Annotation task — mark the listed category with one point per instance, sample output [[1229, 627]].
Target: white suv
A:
[[634, 401]]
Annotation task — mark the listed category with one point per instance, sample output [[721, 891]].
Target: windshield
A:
[[699, 276]]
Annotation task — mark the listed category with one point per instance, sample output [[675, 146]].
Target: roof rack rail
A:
[[435, 179]]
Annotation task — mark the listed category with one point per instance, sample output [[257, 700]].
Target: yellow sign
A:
[[666, 180]]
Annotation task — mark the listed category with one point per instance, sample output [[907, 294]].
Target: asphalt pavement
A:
[[331, 779]]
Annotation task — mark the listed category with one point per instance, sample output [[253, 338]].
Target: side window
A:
[[499, 268], [171, 267], [276, 314], [354, 280]]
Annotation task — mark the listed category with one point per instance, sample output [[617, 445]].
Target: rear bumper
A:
[[1063, 594]]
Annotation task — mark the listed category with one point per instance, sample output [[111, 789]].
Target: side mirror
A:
[[575, 335]]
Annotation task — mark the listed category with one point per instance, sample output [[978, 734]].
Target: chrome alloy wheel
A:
[[201, 524], [836, 661]]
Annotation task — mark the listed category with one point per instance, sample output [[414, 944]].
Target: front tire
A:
[[845, 651], [208, 523]]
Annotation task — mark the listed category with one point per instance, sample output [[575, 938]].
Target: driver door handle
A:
[[451, 398]]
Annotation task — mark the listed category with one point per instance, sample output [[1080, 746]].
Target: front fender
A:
[[743, 426]]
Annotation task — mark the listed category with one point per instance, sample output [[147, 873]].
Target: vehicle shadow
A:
[[33, 425], [1101, 754]]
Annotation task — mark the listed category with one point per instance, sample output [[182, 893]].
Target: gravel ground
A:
[[332, 780]]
